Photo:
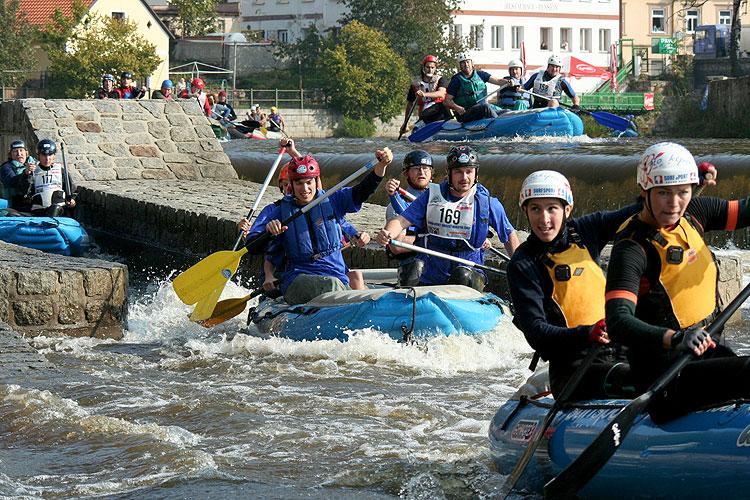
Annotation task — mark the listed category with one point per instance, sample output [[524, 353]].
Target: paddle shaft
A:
[[228, 309], [538, 434], [262, 238], [406, 194], [407, 119], [499, 254], [445, 256], [595, 456], [269, 176], [65, 169]]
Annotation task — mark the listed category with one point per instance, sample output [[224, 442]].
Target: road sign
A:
[[664, 45]]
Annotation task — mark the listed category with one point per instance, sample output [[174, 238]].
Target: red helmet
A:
[[300, 168], [429, 59], [284, 174], [222, 93], [198, 83]]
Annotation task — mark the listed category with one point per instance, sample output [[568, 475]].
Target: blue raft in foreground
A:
[[702, 455], [59, 235], [533, 122], [428, 310]]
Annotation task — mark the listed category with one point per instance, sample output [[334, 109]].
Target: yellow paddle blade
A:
[[207, 275], [224, 310], [264, 131], [205, 307]]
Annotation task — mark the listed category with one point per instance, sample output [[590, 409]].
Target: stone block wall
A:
[[51, 294], [120, 139]]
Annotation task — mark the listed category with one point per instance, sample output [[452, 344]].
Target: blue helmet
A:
[[17, 144], [46, 147], [167, 83], [108, 77], [417, 157]]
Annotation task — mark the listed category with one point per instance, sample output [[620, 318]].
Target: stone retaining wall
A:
[[120, 139], [44, 293]]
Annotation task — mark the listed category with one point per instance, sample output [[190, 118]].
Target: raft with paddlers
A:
[[58, 235], [532, 122], [704, 454], [402, 313]]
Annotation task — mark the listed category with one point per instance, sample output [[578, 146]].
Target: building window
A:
[[497, 37], [455, 31], [605, 39], [118, 15], [545, 38], [725, 17], [566, 37], [476, 37], [692, 20], [282, 36], [658, 24], [585, 40], [516, 37]]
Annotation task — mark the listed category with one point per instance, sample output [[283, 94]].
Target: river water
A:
[[178, 411]]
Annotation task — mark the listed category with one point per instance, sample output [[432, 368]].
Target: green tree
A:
[[82, 47], [364, 77], [414, 27], [195, 17], [16, 37]]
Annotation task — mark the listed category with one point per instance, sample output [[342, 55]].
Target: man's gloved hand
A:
[[694, 339], [706, 171], [599, 332], [576, 108]]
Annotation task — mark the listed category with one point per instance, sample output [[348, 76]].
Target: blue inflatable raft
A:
[[533, 122], [415, 312], [59, 235], [698, 456]]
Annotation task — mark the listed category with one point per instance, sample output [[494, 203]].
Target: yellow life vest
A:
[[687, 274], [577, 285]]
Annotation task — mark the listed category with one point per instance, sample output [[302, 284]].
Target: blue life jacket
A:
[[10, 192], [507, 98], [437, 270], [312, 235]]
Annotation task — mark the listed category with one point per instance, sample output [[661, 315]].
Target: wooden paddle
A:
[[431, 129], [538, 434], [407, 119], [205, 307], [445, 256], [607, 119], [215, 270], [595, 456]]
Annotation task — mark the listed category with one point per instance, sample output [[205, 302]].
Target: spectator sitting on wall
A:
[[165, 92], [107, 90], [126, 89], [221, 99]]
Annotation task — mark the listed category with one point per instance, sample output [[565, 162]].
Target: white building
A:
[[584, 29], [287, 20]]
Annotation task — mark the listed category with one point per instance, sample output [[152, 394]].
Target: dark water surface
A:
[[178, 411]]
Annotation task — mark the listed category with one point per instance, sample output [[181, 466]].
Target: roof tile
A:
[[38, 12]]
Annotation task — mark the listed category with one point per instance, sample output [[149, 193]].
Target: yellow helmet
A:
[[273, 109]]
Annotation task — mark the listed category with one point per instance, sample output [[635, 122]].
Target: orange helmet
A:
[[198, 83], [284, 174]]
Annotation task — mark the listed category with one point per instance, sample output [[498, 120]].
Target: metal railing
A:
[[614, 102], [281, 98]]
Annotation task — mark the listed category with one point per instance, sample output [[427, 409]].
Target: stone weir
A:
[[120, 139], [50, 294]]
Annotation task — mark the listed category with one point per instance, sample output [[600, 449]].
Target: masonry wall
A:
[[120, 139]]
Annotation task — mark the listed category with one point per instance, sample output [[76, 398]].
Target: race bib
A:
[[448, 219]]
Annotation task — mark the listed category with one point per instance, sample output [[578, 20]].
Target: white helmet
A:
[[464, 56], [515, 63], [554, 60], [666, 164], [546, 184]]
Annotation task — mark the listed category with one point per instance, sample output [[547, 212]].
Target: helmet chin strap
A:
[[647, 202]]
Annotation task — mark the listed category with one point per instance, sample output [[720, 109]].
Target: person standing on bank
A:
[[661, 286], [165, 92], [311, 245], [467, 88], [512, 97], [454, 217], [20, 165], [428, 93], [551, 84], [48, 184]]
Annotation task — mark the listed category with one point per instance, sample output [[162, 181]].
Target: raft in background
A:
[[705, 454], [58, 235], [401, 313], [533, 122]]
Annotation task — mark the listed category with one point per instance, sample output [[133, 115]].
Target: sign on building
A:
[[664, 45]]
